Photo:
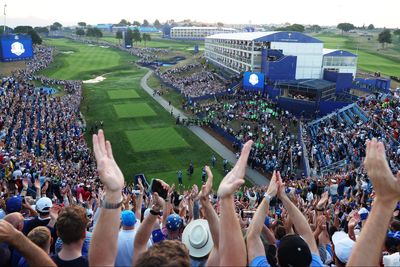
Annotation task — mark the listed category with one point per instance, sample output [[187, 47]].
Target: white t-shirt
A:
[[310, 196], [125, 252]]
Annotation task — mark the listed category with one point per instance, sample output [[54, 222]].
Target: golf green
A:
[[133, 110], [122, 94], [155, 139]]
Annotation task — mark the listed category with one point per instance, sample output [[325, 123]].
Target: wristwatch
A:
[[107, 205], [267, 197], [155, 213]]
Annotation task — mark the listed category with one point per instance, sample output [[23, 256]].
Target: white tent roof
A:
[[245, 36]]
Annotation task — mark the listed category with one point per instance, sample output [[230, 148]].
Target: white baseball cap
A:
[[44, 204]]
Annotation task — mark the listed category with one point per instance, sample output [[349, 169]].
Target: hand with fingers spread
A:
[[386, 185], [235, 178], [109, 172]]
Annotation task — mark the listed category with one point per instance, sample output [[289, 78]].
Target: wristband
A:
[[267, 197], [155, 213], [107, 205]]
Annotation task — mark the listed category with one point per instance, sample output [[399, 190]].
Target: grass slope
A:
[[369, 58], [176, 146]]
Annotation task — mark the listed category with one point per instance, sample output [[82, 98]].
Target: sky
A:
[[381, 13]]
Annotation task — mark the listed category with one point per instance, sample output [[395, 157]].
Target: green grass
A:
[[369, 59], [122, 94], [86, 63], [130, 110], [97, 106], [155, 139], [181, 45]]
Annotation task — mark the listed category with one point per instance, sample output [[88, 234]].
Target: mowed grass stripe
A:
[[134, 110], [122, 94], [155, 139]]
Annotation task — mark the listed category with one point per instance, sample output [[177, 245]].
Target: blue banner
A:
[[16, 47], [253, 81]]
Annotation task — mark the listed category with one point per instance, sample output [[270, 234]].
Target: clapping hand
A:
[[386, 185], [235, 178], [206, 188], [273, 184], [109, 172]]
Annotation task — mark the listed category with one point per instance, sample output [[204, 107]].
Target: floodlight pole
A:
[[4, 26]]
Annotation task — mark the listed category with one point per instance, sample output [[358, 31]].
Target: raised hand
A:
[[195, 192], [158, 202], [355, 219], [37, 184], [281, 186], [25, 183], [386, 185], [109, 172], [235, 178], [273, 185], [323, 200], [46, 185], [207, 187], [7, 232], [141, 187], [54, 211]]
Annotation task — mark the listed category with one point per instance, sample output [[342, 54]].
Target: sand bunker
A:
[[67, 52], [104, 46], [95, 80], [91, 45]]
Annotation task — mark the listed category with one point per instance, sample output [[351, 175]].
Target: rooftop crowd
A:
[[62, 205]]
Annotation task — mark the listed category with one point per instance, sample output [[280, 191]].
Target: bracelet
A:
[[267, 197], [107, 205]]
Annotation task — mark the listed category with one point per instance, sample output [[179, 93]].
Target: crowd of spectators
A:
[[385, 110], [335, 139], [192, 80], [288, 223], [251, 116], [60, 206]]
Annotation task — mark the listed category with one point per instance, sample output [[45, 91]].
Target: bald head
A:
[[16, 219]]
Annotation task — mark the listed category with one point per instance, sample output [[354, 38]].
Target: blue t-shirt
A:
[[261, 261]]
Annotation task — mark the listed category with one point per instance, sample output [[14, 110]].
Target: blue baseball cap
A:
[[157, 236], [14, 204], [128, 218], [174, 222]]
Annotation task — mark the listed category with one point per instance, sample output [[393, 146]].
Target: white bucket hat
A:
[[343, 246], [197, 238]]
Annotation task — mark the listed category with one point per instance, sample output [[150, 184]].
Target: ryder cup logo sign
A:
[[17, 48], [253, 80]]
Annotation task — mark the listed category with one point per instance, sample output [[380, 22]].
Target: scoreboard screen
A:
[[15, 47]]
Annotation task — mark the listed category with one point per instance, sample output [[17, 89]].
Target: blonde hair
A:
[[41, 236]]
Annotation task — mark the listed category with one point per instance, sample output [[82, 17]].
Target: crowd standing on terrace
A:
[[192, 80], [61, 205]]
